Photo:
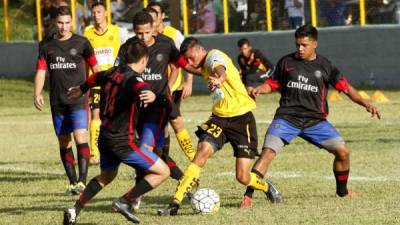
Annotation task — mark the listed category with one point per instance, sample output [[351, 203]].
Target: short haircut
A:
[[189, 42], [63, 11], [141, 18], [137, 49], [242, 42], [154, 3], [306, 31], [150, 10], [97, 3]]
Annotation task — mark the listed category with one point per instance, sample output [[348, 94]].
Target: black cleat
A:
[[69, 216], [171, 210], [273, 194], [125, 208]]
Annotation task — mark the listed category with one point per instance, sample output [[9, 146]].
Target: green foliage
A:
[[33, 181]]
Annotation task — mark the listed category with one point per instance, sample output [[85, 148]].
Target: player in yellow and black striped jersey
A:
[[106, 40], [180, 89], [231, 121]]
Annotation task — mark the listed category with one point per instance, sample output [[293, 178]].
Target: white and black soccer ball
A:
[[205, 201]]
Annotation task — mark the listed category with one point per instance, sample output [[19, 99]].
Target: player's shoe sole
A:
[[125, 209], [273, 194], [69, 216], [171, 210]]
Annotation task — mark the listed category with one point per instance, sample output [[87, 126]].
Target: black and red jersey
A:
[[304, 88], [65, 62], [255, 64], [119, 101], [161, 53]]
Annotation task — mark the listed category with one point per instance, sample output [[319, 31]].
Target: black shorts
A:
[[94, 98], [176, 104], [240, 131], [254, 80]]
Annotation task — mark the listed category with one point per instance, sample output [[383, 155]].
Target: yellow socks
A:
[[94, 136], [257, 183], [185, 142], [189, 180]]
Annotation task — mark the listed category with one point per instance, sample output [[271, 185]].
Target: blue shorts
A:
[[111, 156], [67, 118], [153, 134], [282, 132]]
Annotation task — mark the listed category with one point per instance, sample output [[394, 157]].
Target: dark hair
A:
[[189, 43], [306, 31], [97, 3], [137, 49], [63, 11], [153, 3], [150, 10], [141, 18], [242, 42]]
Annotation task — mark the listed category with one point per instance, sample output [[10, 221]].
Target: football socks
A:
[[83, 161], [341, 182], [189, 180], [185, 142], [257, 182], [94, 136], [141, 187], [67, 158], [90, 191]]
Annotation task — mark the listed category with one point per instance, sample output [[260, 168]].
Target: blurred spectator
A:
[[206, 18], [334, 13], [295, 12], [256, 20], [219, 15], [381, 12]]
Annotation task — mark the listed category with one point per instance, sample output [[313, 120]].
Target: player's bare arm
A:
[[218, 76], [38, 100], [353, 94], [262, 89], [187, 86], [74, 93]]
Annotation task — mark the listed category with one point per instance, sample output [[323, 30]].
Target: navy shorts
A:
[[67, 118], [281, 132]]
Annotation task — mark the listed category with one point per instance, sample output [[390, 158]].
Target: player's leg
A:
[[279, 133], [211, 139], [325, 135], [79, 118], [95, 123], [63, 129], [176, 121]]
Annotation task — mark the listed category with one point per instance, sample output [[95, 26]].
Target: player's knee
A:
[[342, 152], [64, 141], [243, 178], [177, 124]]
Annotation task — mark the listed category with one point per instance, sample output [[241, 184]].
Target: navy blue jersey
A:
[[65, 62]]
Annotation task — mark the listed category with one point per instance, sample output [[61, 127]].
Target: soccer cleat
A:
[[79, 188], [171, 210], [70, 190], [273, 194], [246, 202], [136, 204], [69, 216], [124, 208]]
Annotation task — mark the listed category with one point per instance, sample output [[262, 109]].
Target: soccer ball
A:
[[205, 201]]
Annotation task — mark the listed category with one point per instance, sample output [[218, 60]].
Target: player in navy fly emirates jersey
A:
[[303, 79], [64, 56], [124, 96]]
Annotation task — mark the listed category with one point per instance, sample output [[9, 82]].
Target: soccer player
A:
[[106, 40], [231, 121], [255, 68], [64, 57], [181, 88], [303, 78], [124, 95]]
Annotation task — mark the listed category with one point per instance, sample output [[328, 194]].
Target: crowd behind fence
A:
[[220, 16]]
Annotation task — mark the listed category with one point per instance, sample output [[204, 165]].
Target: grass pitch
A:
[[32, 179]]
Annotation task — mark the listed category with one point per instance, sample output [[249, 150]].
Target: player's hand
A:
[[187, 89], [38, 101], [214, 81], [254, 92], [147, 97], [373, 110], [74, 93]]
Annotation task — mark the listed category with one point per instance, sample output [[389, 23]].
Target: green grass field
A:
[[32, 180]]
